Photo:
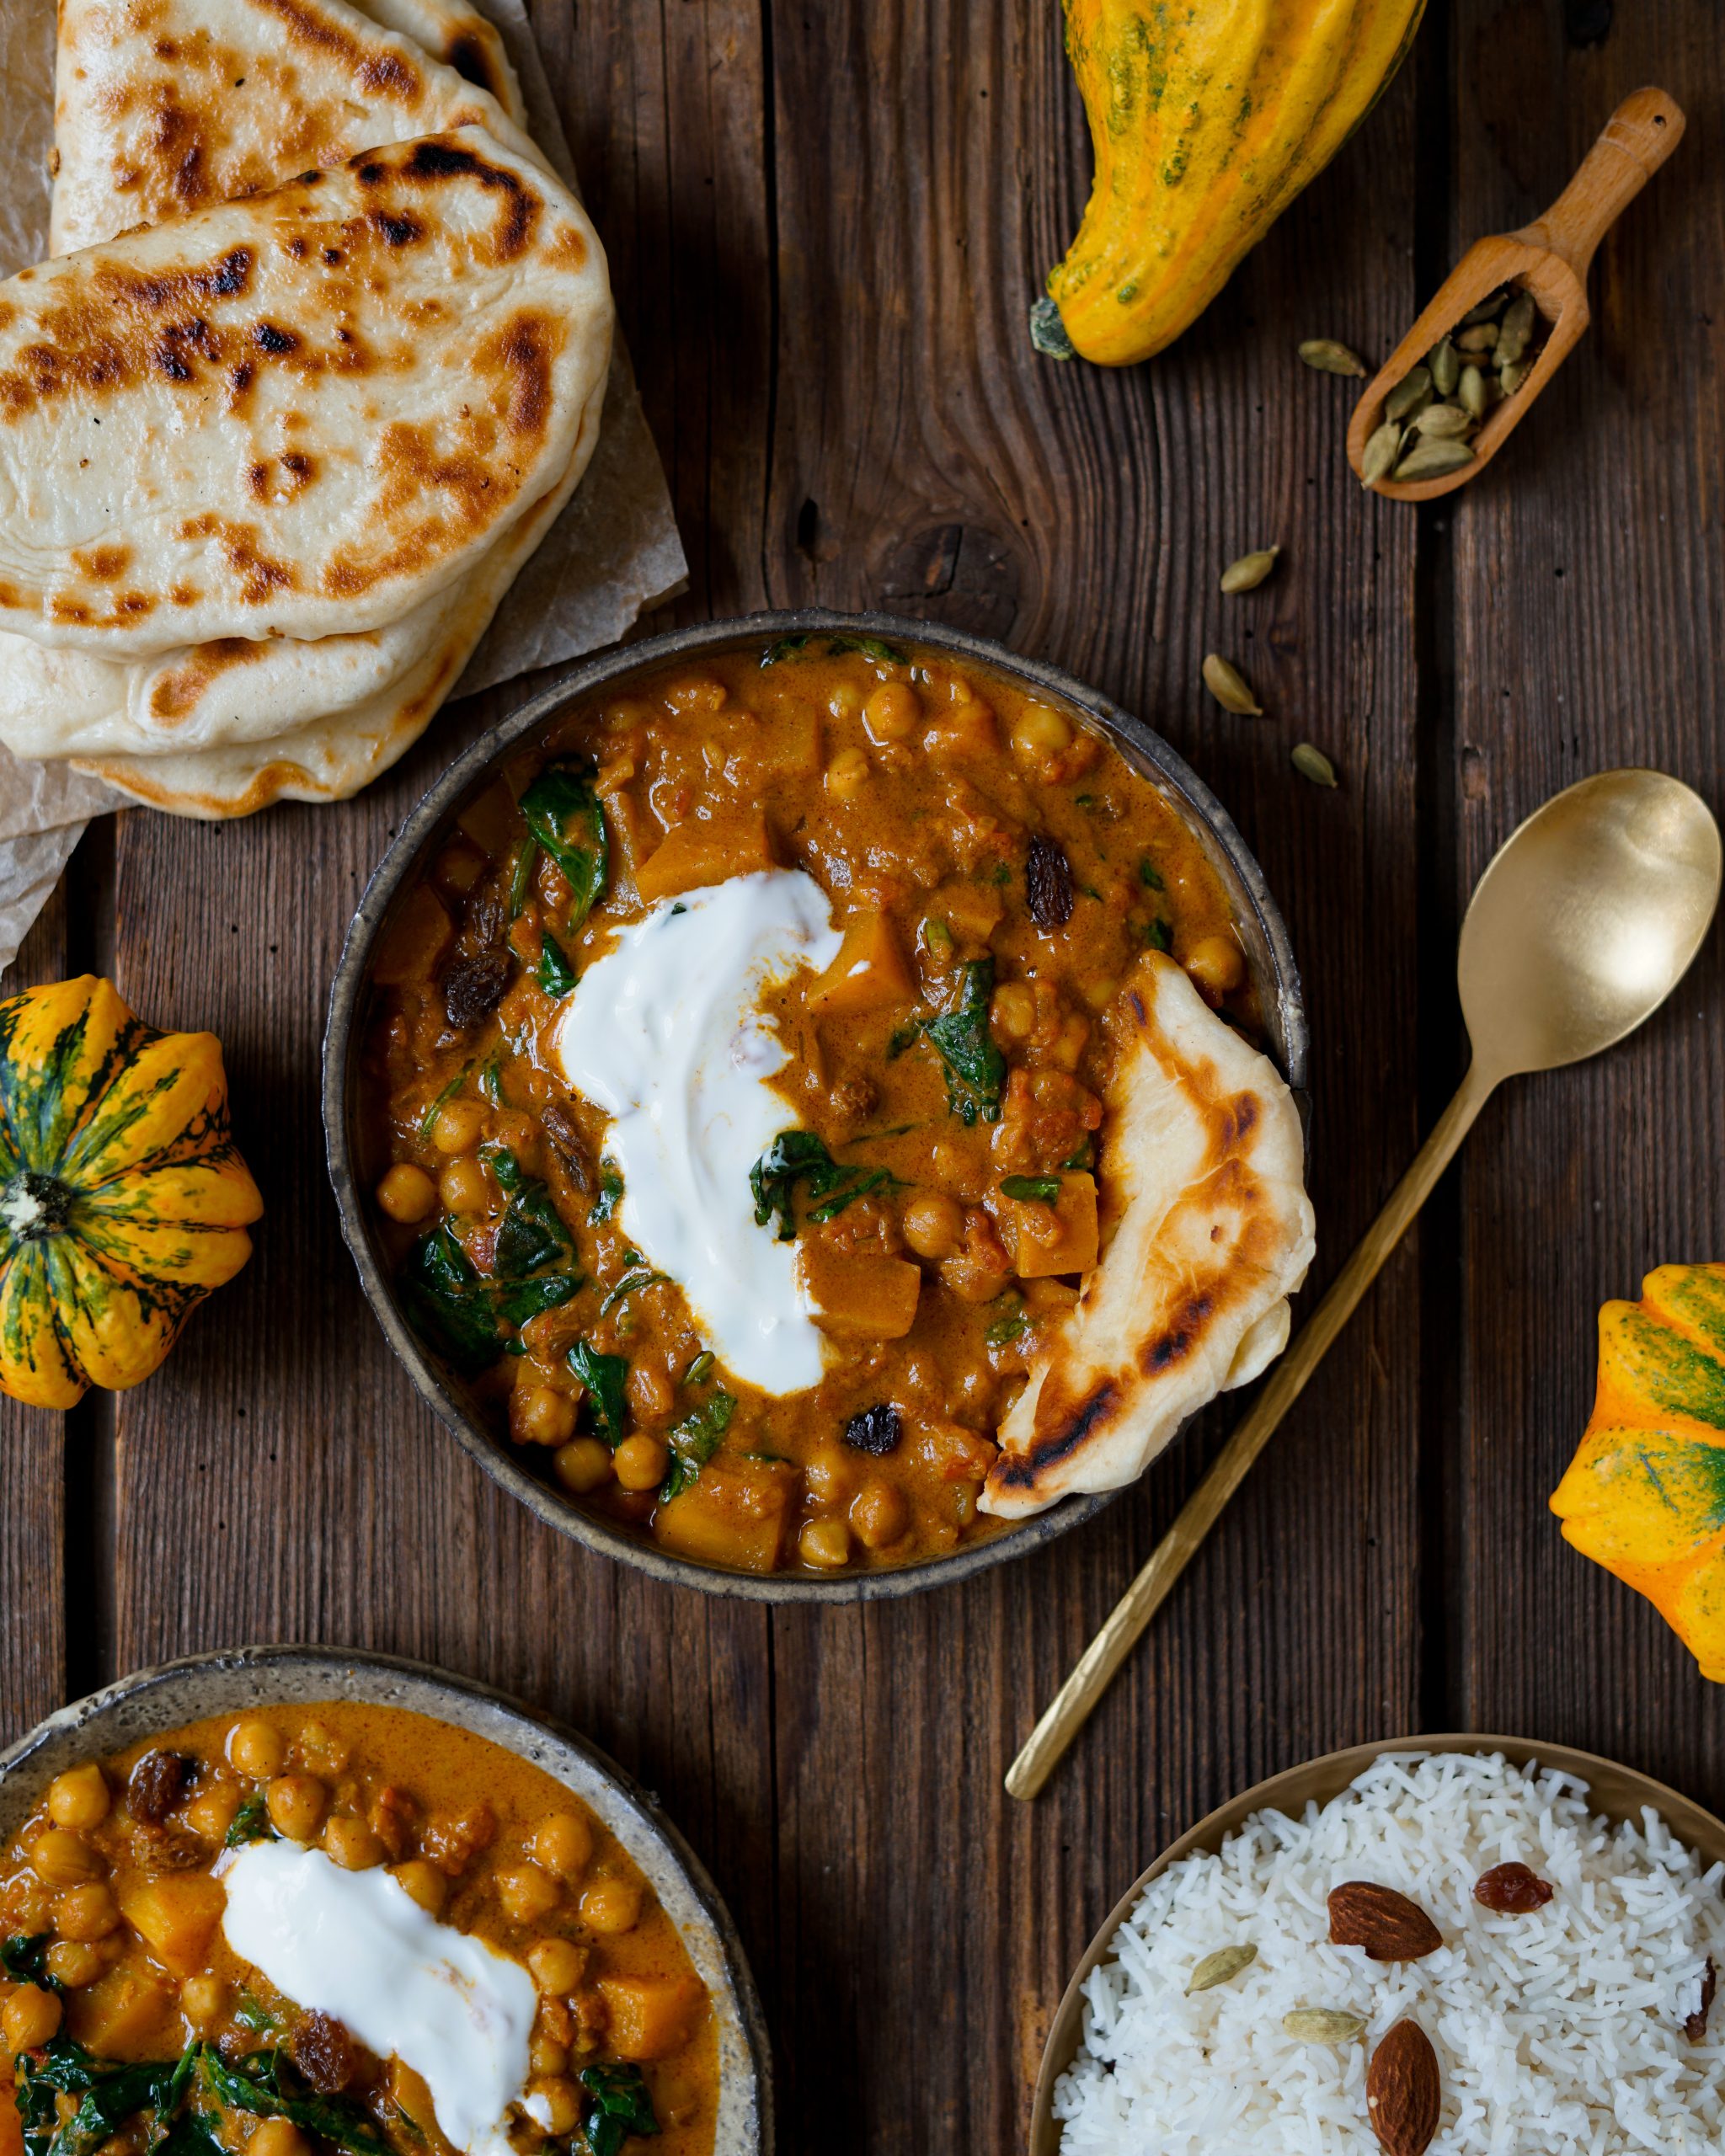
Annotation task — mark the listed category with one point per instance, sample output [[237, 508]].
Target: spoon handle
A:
[[1070, 1709], [1635, 141]]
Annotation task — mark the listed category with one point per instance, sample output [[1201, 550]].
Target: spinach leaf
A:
[[904, 1036], [976, 1070], [1156, 935], [800, 1156], [627, 1285], [251, 1823], [24, 1958], [1150, 875], [254, 2084], [59, 2066], [1083, 1157], [1023, 1188], [604, 1377], [557, 976], [530, 1234], [114, 2093], [252, 2014], [443, 1099], [620, 2106], [447, 1302], [191, 2134], [1014, 1326], [610, 1191], [693, 1443], [697, 1373], [520, 1301], [784, 647], [521, 875], [883, 653], [565, 815]]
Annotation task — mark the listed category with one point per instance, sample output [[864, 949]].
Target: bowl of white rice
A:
[[1584, 2025]]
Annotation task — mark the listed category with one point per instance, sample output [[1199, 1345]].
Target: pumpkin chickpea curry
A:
[[736, 1083], [338, 1930]]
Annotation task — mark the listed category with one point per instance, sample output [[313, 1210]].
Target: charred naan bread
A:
[[298, 415], [1207, 1231], [166, 106], [453, 33]]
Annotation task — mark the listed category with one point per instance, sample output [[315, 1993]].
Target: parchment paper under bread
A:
[[612, 554]]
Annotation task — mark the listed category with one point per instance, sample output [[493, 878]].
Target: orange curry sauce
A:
[[996, 872]]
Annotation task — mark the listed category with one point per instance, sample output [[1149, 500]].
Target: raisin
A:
[[559, 1127], [1511, 1889], [876, 1430], [1047, 883], [472, 988], [323, 2052], [168, 1848], [486, 922], [1695, 2025], [156, 1785]]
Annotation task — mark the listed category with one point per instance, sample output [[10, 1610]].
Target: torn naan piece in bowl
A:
[[298, 415], [1206, 1232]]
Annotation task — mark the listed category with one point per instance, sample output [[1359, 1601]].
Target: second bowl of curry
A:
[[714, 1076]]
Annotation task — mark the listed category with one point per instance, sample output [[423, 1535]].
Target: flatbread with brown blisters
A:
[[453, 33], [1207, 1231]]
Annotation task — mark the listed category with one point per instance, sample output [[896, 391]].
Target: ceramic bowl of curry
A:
[[734, 1283], [337, 1904]]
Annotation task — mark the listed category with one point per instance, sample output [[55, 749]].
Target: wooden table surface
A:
[[826, 221]]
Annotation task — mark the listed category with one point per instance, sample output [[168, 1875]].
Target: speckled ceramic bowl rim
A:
[[151, 1700], [1617, 1791], [1260, 921]]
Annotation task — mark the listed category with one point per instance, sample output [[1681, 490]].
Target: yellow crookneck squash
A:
[[1645, 1494], [1208, 117], [123, 1201]]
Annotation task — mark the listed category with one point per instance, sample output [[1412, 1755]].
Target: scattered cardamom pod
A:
[[1513, 373], [1323, 2025], [1516, 330], [1445, 366], [1443, 422], [1432, 460], [1221, 1967], [1229, 687], [1250, 570], [1329, 357], [1313, 763], [1482, 338], [1381, 451], [1402, 399], [1476, 399]]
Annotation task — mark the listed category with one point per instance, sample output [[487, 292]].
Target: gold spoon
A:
[[1584, 921]]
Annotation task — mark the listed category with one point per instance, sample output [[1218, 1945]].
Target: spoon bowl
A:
[[1587, 918]]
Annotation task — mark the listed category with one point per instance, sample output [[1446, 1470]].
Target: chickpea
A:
[[277, 2138], [211, 1812], [563, 1845], [583, 1465], [880, 1515], [639, 1462], [537, 1416], [351, 1844], [1216, 963], [458, 1127], [830, 1478], [86, 1912], [612, 1905], [257, 1748], [31, 2016], [406, 1193], [847, 774], [954, 1170], [846, 700], [320, 1751], [558, 1965], [1012, 1013], [547, 2056], [74, 1962], [295, 1804], [203, 2000], [696, 693], [78, 1797], [64, 1859], [425, 1883], [651, 1393], [933, 1223], [555, 2104], [825, 1543], [462, 1186], [1067, 1046], [526, 1893], [893, 712], [1039, 733]]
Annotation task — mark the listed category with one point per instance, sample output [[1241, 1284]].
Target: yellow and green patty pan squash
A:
[[123, 1201], [1645, 1494]]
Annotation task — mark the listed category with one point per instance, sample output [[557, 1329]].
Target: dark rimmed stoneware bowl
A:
[[1262, 933], [1614, 1791], [151, 1700]]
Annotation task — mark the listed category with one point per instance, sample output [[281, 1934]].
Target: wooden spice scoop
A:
[[1549, 258]]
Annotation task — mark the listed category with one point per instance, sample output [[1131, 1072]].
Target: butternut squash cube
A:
[[412, 947], [869, 972], [789, 745], [734, 1515], [118, 2016], [965, 734], [706, 850], [971, 910], [650, 2016], [859, 1296], [1054, 1233], [175, 1916]]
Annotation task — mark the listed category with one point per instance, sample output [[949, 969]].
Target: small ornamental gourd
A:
[[123, 1201], [1645, 1494]]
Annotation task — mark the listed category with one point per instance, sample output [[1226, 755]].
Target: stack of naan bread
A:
[[318, 358]]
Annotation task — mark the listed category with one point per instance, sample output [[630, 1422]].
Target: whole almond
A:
[[1403, 2093], [1388, 1926]]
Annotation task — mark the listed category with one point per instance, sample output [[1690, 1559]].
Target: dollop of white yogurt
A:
[[665, 1035], [356, 1945]]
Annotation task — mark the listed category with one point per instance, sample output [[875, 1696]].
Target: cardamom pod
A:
[[1313, 763], [1475, 399], [1323, 2025], [1512, 376], [1228, 685], [1433, 459], [1221, 1967], [1329, 357], [1443, 422], [1250, 570], [1516, 328], [1446, 367], [1489, 308], [1482, 338], [1381, 451], [1402, 399]]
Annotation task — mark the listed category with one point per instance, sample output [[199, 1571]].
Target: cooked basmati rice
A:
[[1559, 2033]]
